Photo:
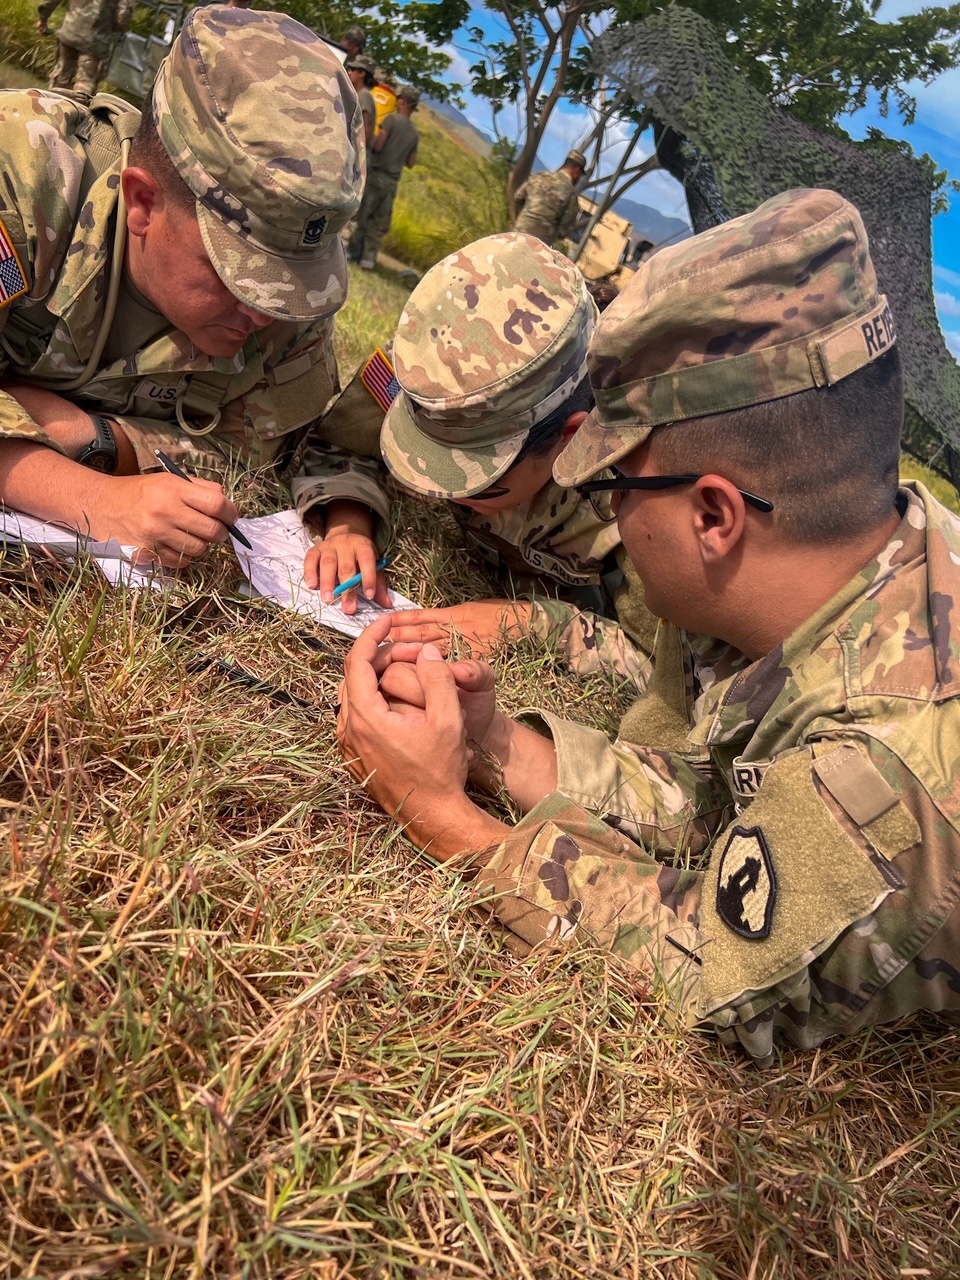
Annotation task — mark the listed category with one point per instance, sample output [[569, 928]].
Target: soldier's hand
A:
[[476, 690], [168, 520], [345, 549], [483, 624], [43, 28]]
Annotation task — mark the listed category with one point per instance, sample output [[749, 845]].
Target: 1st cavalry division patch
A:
[[13, 282], [746, 884]]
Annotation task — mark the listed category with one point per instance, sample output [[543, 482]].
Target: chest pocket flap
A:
[[293, 394], [784, 881]]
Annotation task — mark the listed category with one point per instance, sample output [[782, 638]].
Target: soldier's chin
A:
[[220, 341]]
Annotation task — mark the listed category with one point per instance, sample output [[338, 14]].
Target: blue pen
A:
[[357, 578]]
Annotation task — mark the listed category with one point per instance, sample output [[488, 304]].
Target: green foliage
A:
[[452, 197], [21, 44], [398, 36], [818, 59]]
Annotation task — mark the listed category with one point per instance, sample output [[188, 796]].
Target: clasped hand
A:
[[411, 725]]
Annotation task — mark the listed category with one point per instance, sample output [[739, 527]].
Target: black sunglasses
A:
[[620, 483]]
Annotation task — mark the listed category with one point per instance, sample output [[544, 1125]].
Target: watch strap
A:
[[104, 443]]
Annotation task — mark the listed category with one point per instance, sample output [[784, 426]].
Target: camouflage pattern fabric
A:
[[59, 217], [675, 63], [778, 301], [89, 28], [78, 72], [492, 340], [279, 170], [823, 849], [548, 206], [558, 550]]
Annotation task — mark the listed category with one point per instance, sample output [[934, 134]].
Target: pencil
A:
[[168, 464], [349, 583]]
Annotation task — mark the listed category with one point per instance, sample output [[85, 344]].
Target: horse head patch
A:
[[746, 884]]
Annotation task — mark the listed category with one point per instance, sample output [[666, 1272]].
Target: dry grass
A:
[[245, 1031]]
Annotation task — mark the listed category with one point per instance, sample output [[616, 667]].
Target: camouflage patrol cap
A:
[[263, 125], [361, 62], [493, 339], [758, 308], [577, 158], [409, 94]]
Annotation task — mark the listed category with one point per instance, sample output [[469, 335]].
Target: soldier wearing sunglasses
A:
[[774, 837]]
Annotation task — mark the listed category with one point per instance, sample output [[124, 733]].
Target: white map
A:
[[113, 560], [275, 568]]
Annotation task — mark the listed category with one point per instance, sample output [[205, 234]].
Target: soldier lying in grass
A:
[[774, 837], [489, 385], [162, 287]]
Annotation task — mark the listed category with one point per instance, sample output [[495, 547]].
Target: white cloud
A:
[[947, 276], [459, 70], [948, 304], [953, 340]]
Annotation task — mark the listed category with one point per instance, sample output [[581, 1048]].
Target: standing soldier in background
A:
[[394, 147], [547, 203], [354, 40], [85, 40], [360, 70]]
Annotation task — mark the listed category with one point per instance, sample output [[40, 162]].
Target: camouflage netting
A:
[[675, 63]]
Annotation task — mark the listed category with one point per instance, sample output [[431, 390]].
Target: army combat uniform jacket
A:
[[60, 164], [547, 206], [802, 812], [91, 26]]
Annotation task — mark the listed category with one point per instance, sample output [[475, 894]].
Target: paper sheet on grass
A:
[[275, 568], [114, 560]]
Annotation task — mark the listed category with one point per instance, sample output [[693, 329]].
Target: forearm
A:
[[45, 484], [518, 759], [67, 424], [452, 828]]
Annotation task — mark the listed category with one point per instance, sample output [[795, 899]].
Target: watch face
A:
[[99, 460]]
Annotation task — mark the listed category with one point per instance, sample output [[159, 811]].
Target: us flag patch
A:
[[378, 377], [13, 283]]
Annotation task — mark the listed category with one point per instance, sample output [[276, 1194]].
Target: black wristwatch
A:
[[101, 453]]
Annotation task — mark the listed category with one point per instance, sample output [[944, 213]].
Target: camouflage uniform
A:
[[558, 549], [85, 40], [492, 341], [547, 206], [279, 252], [776, 841]]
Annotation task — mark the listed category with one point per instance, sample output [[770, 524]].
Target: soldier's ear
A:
[[143, 197]]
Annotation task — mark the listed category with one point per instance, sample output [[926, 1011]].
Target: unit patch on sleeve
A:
[[13, 281], [378, 377], [746, 884]]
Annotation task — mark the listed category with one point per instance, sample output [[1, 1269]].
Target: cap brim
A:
[[304, 287], [594, 448], [439, 470]]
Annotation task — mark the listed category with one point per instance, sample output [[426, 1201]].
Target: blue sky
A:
[[934, 132]]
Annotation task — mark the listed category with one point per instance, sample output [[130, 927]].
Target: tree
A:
[[399, 35], [816, 58]]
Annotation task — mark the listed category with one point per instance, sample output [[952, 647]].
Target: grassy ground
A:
[[246, 1032], [453, 196]]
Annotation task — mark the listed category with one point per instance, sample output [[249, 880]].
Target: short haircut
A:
[[544, 435], [148, 152], [827, 458]]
